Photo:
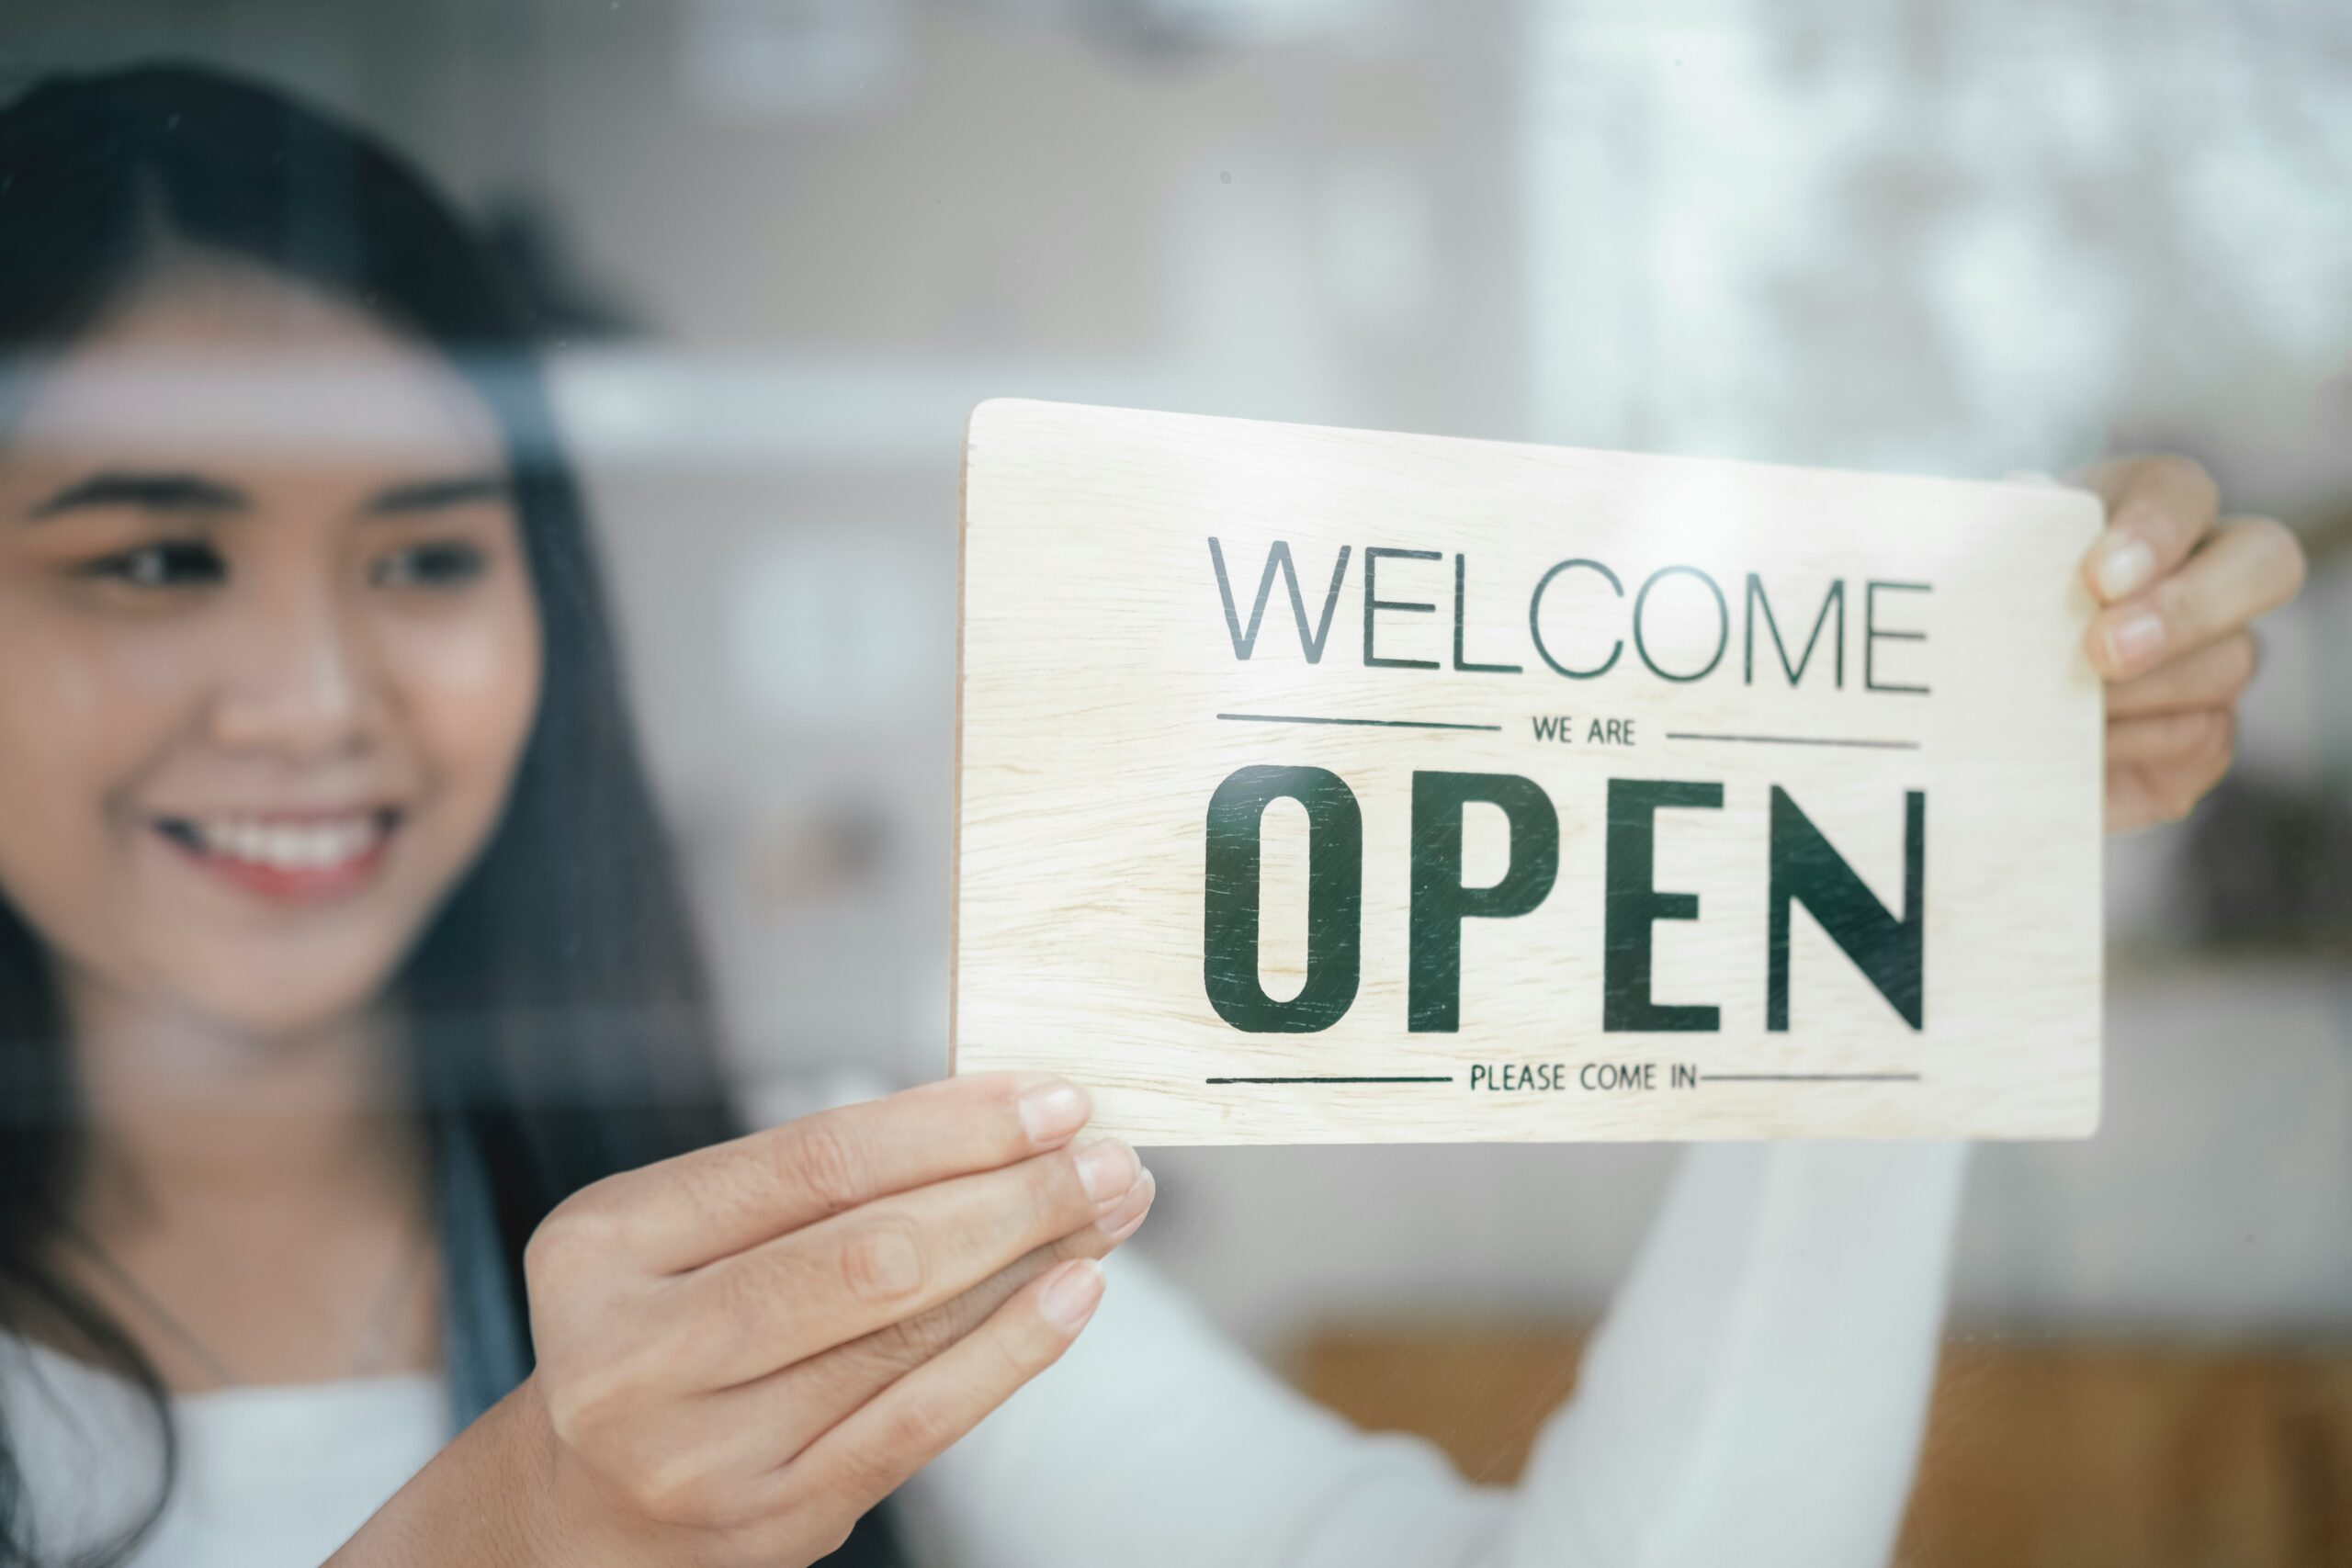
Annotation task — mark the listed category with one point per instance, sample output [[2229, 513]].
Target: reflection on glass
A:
[[342, 943]]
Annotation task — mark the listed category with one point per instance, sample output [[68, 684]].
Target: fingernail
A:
[[1051, 1112], [1120, 1221], [2126, 566], [2132, 639], [1072, 1294], [1107, 1167]]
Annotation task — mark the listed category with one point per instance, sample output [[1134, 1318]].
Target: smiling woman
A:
[[312, 758]]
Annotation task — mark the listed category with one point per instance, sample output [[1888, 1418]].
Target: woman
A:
[[360, 1067]]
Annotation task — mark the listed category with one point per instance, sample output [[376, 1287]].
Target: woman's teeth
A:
[[317, 845]]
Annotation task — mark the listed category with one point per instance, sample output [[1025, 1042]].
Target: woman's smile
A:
[[294, 857]]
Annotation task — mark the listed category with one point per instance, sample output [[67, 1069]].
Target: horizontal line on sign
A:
[[1440, 1078], [1798, 740], [1808, 1078], [1378, 723]]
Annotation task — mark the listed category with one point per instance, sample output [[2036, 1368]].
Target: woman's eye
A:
[[429, 566], [167, 563]]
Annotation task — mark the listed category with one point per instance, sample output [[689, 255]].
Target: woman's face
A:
[[269, 650]]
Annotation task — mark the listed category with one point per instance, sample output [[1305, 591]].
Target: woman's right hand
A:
[[742, 1349]]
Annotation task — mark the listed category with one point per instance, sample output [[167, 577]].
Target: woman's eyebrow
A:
[[430, 495], [152, 492]]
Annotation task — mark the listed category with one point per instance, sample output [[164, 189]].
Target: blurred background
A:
[[789, 243]]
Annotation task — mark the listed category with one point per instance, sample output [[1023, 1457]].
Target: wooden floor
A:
[[2038, 1455]]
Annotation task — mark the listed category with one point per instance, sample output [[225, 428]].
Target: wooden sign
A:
[[1322, 785]]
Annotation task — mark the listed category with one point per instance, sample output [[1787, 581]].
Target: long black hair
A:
[[556, 1008]]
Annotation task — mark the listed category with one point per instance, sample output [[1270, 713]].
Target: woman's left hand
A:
[[2178, 586]]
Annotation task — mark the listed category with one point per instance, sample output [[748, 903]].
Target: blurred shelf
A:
[[2039, 1454]]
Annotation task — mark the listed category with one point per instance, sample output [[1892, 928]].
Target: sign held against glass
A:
[[1326, 785]]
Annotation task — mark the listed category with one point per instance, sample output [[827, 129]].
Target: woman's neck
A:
[[185, 1110], [250, 1209]]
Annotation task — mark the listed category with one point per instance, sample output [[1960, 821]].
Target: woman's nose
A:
[[304, 681]]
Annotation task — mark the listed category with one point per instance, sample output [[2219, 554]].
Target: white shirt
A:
[[266, 1475], [1756, 1395]]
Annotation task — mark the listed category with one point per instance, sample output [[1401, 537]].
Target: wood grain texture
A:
[[1097, 651]]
